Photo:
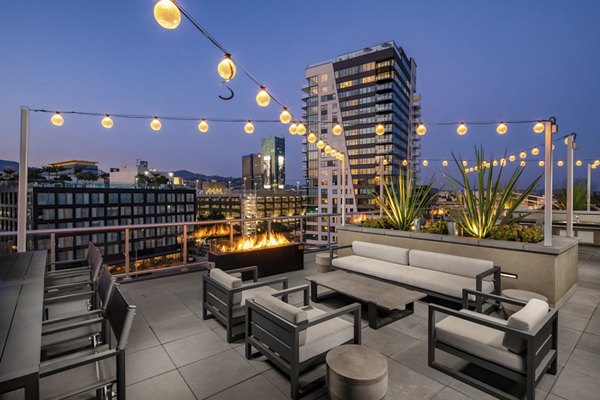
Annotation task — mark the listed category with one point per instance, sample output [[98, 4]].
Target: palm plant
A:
[[486, 205], [579, 197], [406, 202]]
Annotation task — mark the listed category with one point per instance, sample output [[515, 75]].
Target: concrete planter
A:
[[551, 271]]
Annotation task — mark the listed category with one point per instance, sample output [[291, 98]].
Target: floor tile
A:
[[196, 347], [412, 326], [147, 363], [257, 387], [577, 309], [386, 340], [573, 385], [140, 339], [406, 383], [168, 331], [584, 362], [572, 321], [451, 394], [589, 342], [166, 386]]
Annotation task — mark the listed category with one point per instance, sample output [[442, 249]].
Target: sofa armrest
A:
[[335, 248], [253, 269], [479, 296], [353, 309], [283, 293]]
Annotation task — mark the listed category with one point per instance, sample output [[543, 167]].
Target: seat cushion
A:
[[525, 320], [239, 310], [325, 336], [479, 340], [229, 281], [456, 265], [381, 252], [366, 265], [286, 311]]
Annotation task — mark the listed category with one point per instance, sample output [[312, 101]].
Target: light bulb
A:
[[226, 68], [495, 163], [311, 138], [579, 163], [425, 163], [567, 140], [466, 170], [523, 155], [203, 125], [301, 129], [512, 158], [155, 124], [502, 162], [421, 129], [535, 151], [379, 129], [320, 144], [292, 128], [249, 128], [465, 163], [471, 169], [327, 149], [522, 163], [405, 162], [333, 153], [167, 14], [337, 130], [541, 163], [263, 98], [285, 117], [57, 119], [560, 163], [462, 129], [445, 163], [597, 162], [594, 166], [107, 122], [539, 127], [502, 128]]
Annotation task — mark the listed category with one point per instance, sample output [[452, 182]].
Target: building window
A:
[[324, 78]]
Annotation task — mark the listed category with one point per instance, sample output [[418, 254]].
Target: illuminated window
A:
[[345, 84], [324, 78], [324, 89]]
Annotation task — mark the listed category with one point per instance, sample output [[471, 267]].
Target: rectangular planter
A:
[[551, 271]]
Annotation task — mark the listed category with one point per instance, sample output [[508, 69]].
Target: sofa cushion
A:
[[479, 340], [526, 319], [286, 311], [365, 265], [229, 281], [463, 266], [239, 310], [382, 252], [325, 336]]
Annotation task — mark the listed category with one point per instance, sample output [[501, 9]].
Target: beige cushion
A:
[[239, 310], [325, 336], [397, 255], [525, 320], [478, 340], [286, 311], [229, 281], [463, 266]]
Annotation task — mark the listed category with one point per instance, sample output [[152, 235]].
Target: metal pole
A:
[[381, 187], [127, 266], [53, 251], [22, 195], [185, 248], [548, 185], [343, 160], [589, 186], [570, 148]]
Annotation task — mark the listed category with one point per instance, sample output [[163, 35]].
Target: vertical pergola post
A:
[[570, 149], [381, 187], [589, 186], [22, 194], [550, 127], [343, 161]]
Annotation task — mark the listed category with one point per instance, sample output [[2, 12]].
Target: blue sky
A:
[[477, 60]]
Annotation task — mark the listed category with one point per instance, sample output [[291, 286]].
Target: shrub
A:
[[439, 227], [382, 223], [519, 233]]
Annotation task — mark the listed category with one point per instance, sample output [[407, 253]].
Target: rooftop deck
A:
[[174, 354]]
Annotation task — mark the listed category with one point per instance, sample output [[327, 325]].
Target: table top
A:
[[357, 364], [386, 295], [21, 312]]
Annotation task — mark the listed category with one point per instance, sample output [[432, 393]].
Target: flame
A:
[[211, 231], [357, 219], [256, 242]]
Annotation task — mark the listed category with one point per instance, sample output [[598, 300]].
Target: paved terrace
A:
[[173, 354]]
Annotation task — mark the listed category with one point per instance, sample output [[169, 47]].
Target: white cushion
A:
[[463, 266], [286, 311], [526, 319], [366, 265], [478, 340], [382, 252], [325, 336], [229, 281], [239, 310]]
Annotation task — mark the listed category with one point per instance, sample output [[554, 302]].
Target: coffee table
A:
[[397, 302]]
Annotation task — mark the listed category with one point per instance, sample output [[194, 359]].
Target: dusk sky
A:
[[477, 60]]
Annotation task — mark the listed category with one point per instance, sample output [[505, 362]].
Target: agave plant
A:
[[486, 205], [579, 197], [405, 202]]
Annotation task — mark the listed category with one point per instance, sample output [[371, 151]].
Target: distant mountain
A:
[[8, 164], [189, 175]]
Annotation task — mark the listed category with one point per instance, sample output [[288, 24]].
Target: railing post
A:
[[52, 251], [185, 249], [230, 235], [127, 271], [301, 230], [329, 231], [269, 226]]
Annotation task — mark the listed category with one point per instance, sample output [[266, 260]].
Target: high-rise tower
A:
[[273, 162]]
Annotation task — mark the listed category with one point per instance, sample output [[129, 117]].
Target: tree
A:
[[9, 175], [104, 176], [579, 197], [35, 174]]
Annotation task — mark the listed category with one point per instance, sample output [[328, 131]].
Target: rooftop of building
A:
[[72, 162], [361, 52]]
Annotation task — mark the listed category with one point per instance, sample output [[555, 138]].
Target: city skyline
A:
[[103, 58]]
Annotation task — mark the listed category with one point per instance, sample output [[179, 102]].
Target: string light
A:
[[337, 130], [320, 144], [249, 127], [502, 128], [292, 128], [560, 163], [226, 68], [579, 163], [263, 98], [539, 127], [285, 117], [327, 149], [503, 162], [522, 163], [445, 163], [495, 163], [425, 163], [107, 122], [57, 119], [462, 129], [379, 129], [155, 124], [535, 151], [405, 162], [203, 125], [333, 153], [541, 163], [523, 155], [465, 163], [167, 14], [421, 129], [512, 158], [301, 129], [311, 138]]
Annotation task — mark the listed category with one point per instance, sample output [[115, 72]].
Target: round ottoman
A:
[[517, 294], [322, 262], [356, 372]]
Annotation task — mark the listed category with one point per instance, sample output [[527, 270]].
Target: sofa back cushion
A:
[[526, 319], [286, 311], [381, 252], [229, 281], [463, 266]]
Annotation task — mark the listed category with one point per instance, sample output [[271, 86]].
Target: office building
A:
[[358, 90], [73, 168], [273, 162], [251, 171]]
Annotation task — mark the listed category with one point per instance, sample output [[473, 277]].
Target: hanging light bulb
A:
[[495, 163], [320, 144], [465, 163], [425, 163], [502, 162], [512, 158], [560, 163], [292, 128], [405, 162], [263, 98], [522, 163], [203, 125], [155, 124], [311, 138], [337, 130], [539, 127], [471, 169], [462, 129], [466, 170], [301, 129], [421, 129], [535, 151], [57, 119], [249, 127], [445, 163], [579, 163], [379, 129], [327, 149], [333, 153], [501, 129], [523, 155], [541, 163], [226, 68], [594, 166], [107, 122], [167, 14], [566, 140], [285, 117]]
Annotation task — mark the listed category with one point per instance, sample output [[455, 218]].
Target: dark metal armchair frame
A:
[[220, 304], [541, 352], [279, 340]]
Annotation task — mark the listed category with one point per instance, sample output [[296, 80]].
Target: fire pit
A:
[[272, 253]]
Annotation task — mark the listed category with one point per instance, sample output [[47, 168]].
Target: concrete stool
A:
[[356, 372], [517, 294], [322, 261]]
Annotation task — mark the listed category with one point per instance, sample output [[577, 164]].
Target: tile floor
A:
[[174, 354]]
